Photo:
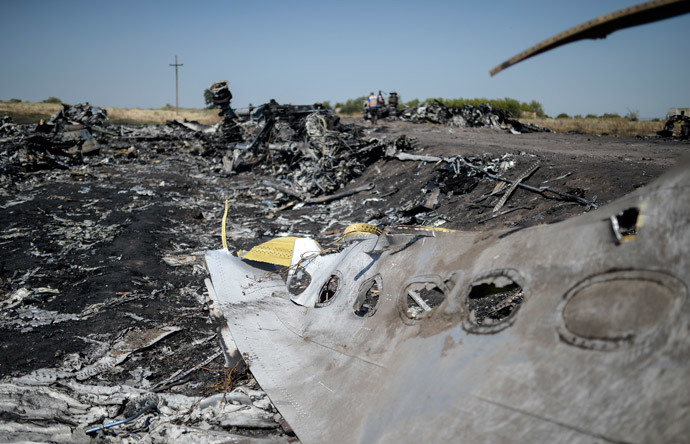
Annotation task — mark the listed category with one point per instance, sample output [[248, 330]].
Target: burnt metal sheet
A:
[[600, 27], [599, 324]]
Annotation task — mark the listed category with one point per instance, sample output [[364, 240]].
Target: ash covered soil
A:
[[116, 244]]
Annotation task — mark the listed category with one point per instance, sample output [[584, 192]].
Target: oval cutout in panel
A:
[[420, 296], [328, 291], [617, 309], [492, 301], [299, 280], [614, 309], [368, 298]]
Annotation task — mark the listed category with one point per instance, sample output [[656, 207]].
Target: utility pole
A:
[[176, 96]]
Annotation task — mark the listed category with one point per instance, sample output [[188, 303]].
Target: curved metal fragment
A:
[[602, 26]]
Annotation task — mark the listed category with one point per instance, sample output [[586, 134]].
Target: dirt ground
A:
[[117, 243]]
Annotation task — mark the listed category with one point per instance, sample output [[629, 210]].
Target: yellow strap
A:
[[225, 219], [445, 230], [423, 228], [359, 231]]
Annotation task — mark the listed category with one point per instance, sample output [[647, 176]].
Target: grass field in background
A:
[[26, 112], [600, 126]]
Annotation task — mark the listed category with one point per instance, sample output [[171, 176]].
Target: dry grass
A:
[[26, 112], [617, 127], [160, 115]]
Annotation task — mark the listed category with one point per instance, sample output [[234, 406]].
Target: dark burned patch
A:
[[625, 224], [88, 249], [454, 180], [490, 303]]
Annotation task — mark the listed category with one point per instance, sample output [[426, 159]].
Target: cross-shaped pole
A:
[[176, 96]]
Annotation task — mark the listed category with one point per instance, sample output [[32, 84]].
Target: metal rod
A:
[[418, 299], [149, 406]]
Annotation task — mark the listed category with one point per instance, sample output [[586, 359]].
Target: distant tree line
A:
[[48, 100], [632, 115], [515, 107], [351, 106]]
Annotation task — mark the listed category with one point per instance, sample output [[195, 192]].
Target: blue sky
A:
[[117, 53]]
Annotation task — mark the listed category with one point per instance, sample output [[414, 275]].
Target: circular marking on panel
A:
[[621, 308]]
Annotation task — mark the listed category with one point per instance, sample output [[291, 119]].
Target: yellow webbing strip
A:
[[225, 219], [359, 231], [423, 228], [444, 230]]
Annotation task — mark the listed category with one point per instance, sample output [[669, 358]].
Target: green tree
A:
[[537, 108], [511, 105], [563, 116], [351, 106], [208, 99], [633, 115], [52, 100], [412, 103]]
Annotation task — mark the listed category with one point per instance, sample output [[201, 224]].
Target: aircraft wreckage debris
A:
[[111, 328], [469, 116]]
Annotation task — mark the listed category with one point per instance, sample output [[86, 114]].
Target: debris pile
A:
[[304, 147], [80, 114], [469, 116], [8, 128], [311, 155], [670, 125], [61, 142], [54, 405]]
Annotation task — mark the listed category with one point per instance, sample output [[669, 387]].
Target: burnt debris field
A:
[[104, 311]]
